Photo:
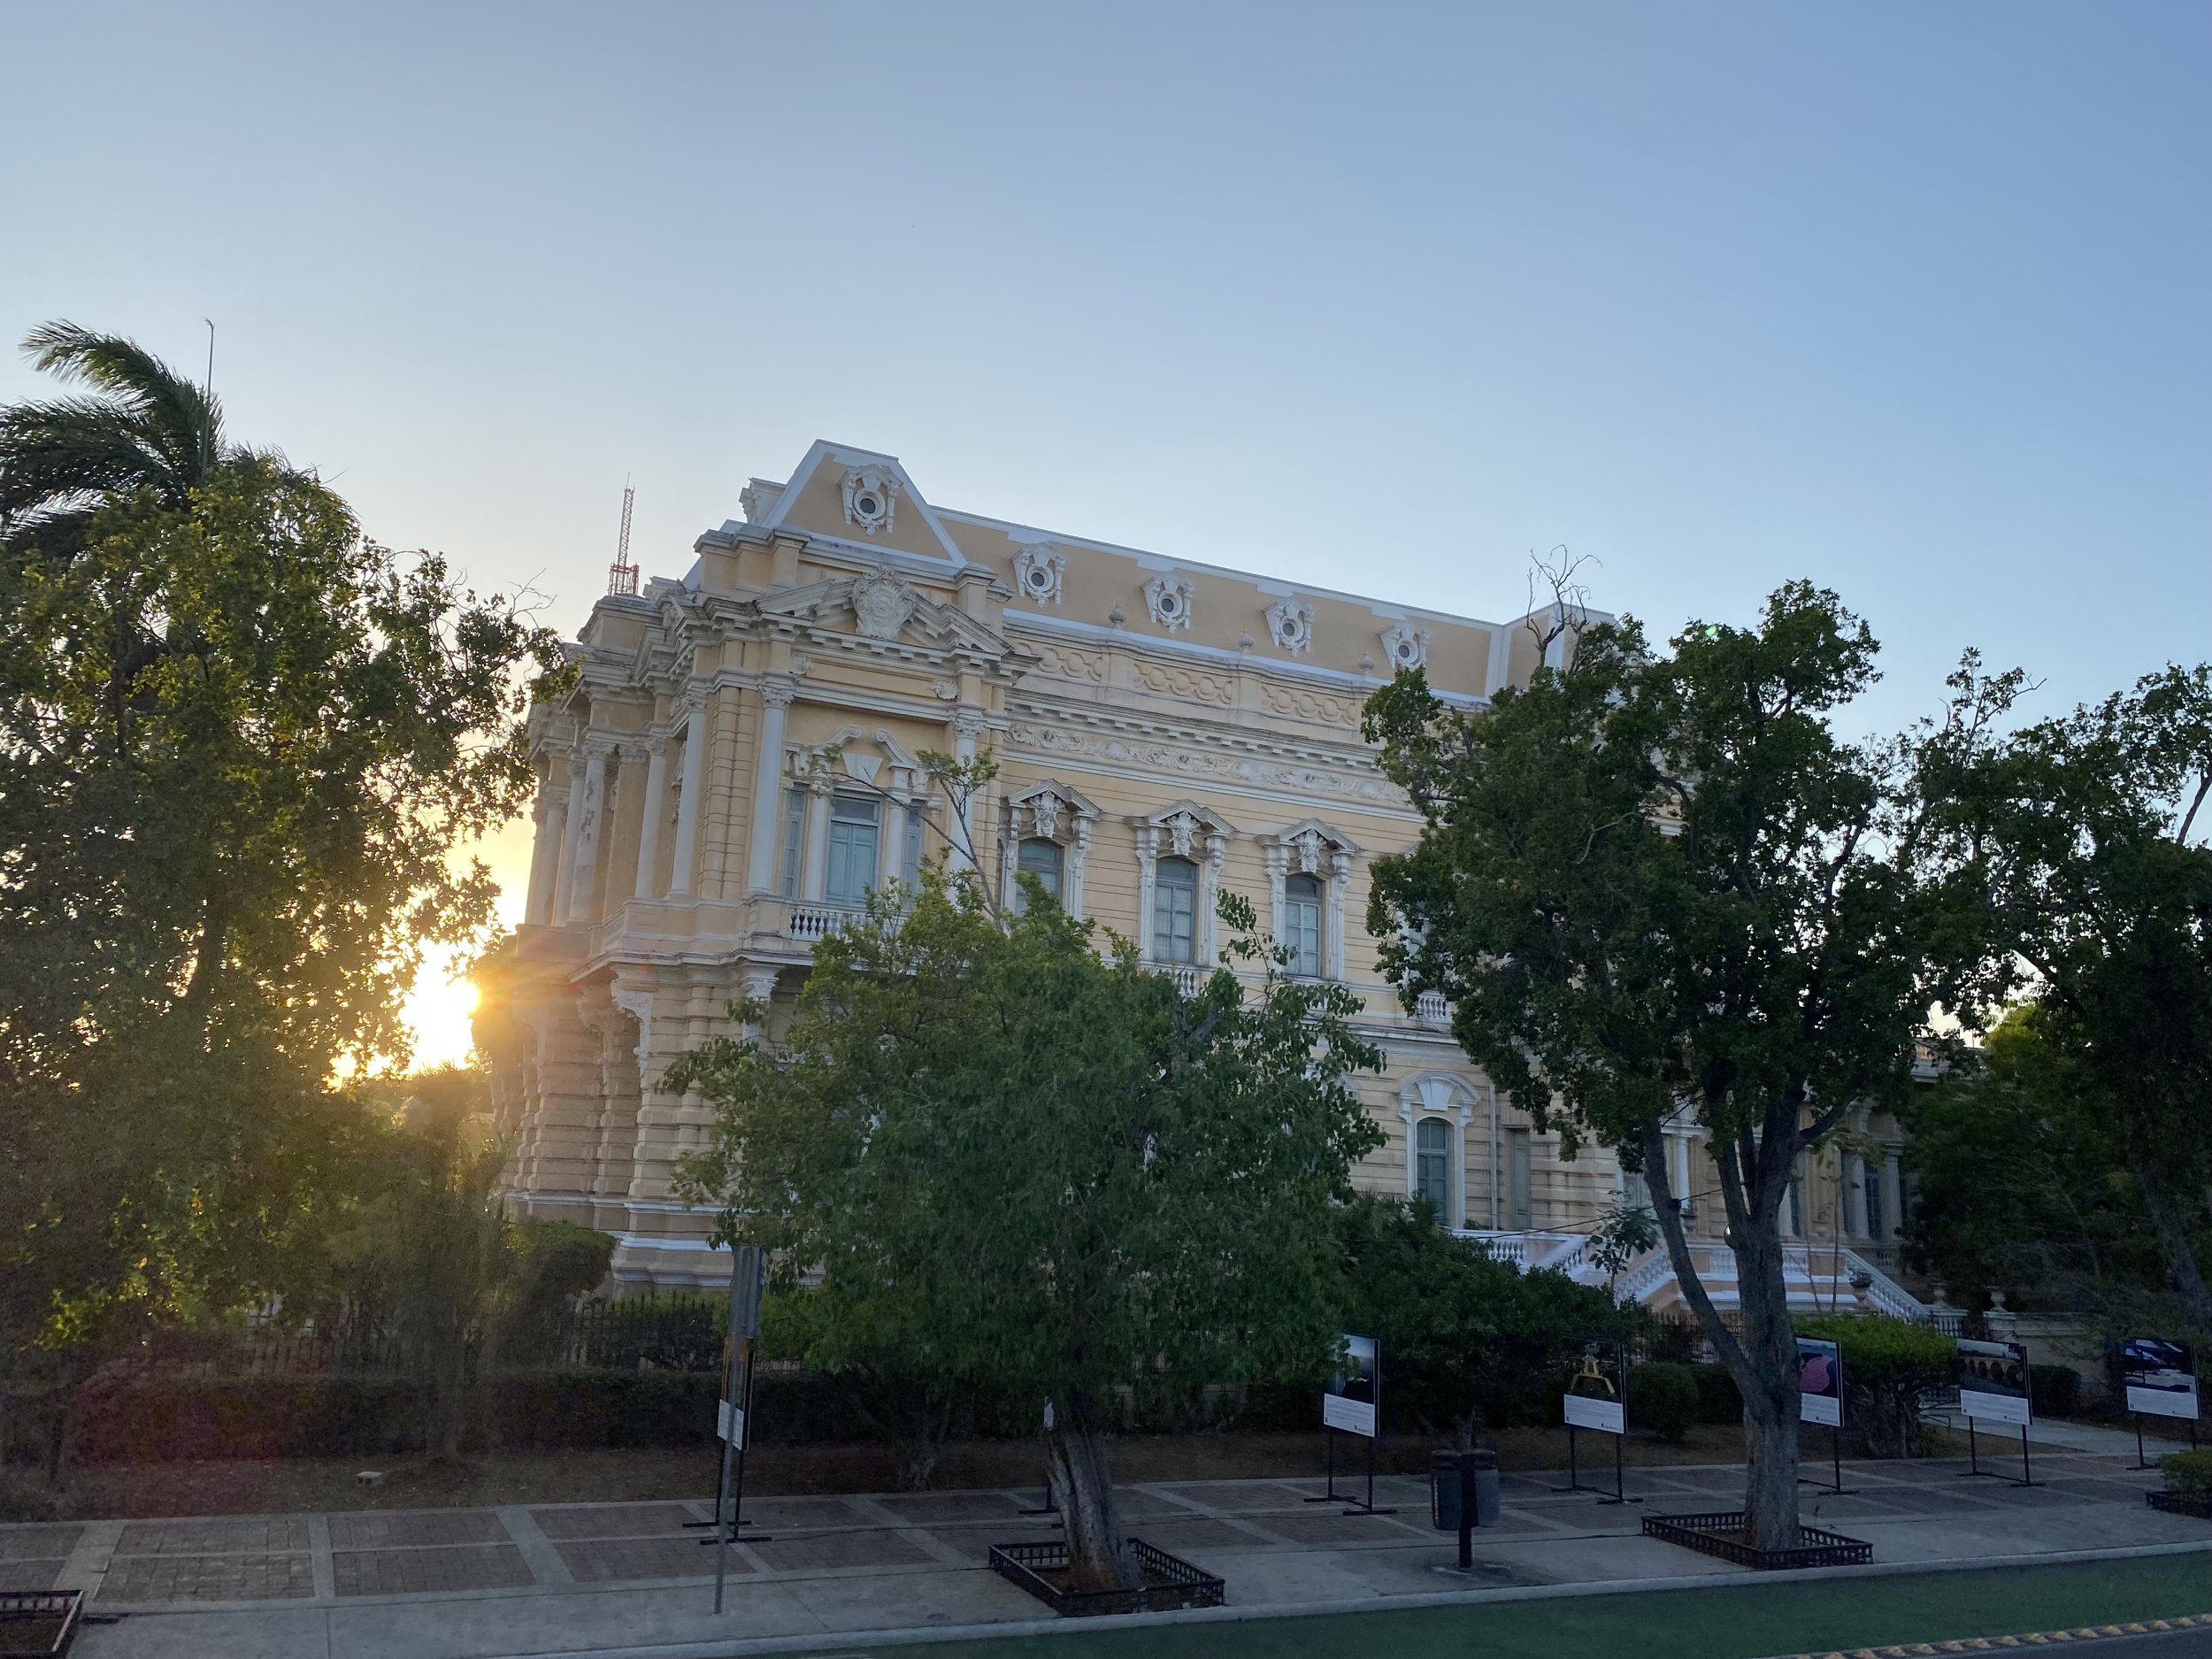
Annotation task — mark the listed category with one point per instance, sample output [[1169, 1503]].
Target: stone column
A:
[[587, 814], [967, 725], [1208, 886], [565, 870], [760, 850], [1340, 881], [1147, 874], [1275, 857], [551, 816], [814, 876], [687, 807], [649, 833], [1078, 852]]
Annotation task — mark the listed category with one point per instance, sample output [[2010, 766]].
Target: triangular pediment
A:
[[863, 496]]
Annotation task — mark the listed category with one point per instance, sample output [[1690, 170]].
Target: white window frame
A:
[[1183, 830], [874, 804], [1446, 1097], [1047, 811], [1311, 847]]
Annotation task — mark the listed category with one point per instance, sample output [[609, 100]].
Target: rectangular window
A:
[[1301, 925], [1175, 911], [1432, 1166], [1870, 1182], [1043, 860], [853, 830], [1520, 1204], [793, 839], [1793, 1204], [1635, 1191]]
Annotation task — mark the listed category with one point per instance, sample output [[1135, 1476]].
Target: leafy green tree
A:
[[238, 743], [2022, 1183], [1464, 1336], [1032, 1170], [2090, 841], [1888, 1364], [1657, 884]]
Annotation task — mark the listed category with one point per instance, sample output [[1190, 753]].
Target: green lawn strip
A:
[[1744, 1621]]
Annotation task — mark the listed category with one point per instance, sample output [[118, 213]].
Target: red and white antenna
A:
[[622, 575]]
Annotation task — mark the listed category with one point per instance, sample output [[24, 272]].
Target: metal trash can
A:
[[1444, 1485], [1485, 1473], [1457, 1476]]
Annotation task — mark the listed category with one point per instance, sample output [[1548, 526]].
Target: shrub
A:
[[1663, 1398], [1718, 1398], [2188, 1474], [2053, 1391], [1887, 1364]]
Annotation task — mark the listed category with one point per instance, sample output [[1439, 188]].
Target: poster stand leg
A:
[[1620, 1490], [1574, 1469], [2142, 1462], [1329, 1495], [2027, 1472], [1973, 1455], [1835, 1466]]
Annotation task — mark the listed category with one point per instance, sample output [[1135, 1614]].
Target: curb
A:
[[2039, 1638], [855, 1643]]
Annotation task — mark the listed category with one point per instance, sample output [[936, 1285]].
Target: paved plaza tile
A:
[[1201, 1532], [1234, 1496], [611, 1520], [974, 1543], [155, 1579], [612, 1560], [927, 1508], [21, 1573], [23, 1543], [875, 1546], [391, 1528], [252, 1535], [1321, 1525], [422, 1571]]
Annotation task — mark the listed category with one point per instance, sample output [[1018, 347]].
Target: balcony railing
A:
[[810, 922], [1431, 1008]]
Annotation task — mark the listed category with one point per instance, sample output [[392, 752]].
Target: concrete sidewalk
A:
[[489, 1583]]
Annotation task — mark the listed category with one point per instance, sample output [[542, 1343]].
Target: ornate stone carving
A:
[[1037, 572], [1173, 681], [871, 495], [1070, 664], [881, 605], [1311, 705], [1139, 752], [778, 693], [1405, 645], [1290, 622], [1168, 600]]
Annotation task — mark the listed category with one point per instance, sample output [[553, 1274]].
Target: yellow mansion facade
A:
[[738, 765]]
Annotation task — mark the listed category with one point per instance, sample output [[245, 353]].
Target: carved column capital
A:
[[778, 693]]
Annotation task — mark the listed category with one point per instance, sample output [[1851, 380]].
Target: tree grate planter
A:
[[2180, 1503], [1170, 1582], [1722, 1534], [40, 1622]]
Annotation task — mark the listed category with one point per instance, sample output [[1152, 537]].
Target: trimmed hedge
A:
[[1718, 1398], [1663, 1398], [2053, 1391]]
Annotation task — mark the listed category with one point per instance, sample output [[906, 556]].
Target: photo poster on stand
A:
[[1354, 1394], [2161, 1377], [1594, 1400], [1994, 1381], [1819, 1382]]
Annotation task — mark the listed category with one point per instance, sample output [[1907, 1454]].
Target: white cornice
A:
[[1146, 644]]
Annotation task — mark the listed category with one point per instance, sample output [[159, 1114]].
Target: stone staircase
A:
[[1819, 1278]]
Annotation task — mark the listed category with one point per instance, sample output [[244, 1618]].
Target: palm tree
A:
[[145, 427]]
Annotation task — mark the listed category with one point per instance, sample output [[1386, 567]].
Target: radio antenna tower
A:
[[622, 575]]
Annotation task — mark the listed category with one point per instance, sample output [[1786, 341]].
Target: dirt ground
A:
[[295, 1485]]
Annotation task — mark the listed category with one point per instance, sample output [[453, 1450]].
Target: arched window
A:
[[1432, 1165], [1042, 859], [1175, 910], [1302, 924]]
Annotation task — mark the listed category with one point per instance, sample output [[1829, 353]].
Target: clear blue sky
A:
[[1909, 299]]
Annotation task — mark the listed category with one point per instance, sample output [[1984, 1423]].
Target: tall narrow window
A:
[[853, 830], [1042, 859], [911, 857], [1175, 910], [1871, 1185], [1432, 1166], [1302, 924], [793, 839], [1635, 1191], [1520, 1205], [1793, 1203]]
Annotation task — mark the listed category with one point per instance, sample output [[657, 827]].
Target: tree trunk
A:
[[1767, 1377], [1763, 1361], [1098, 1555]]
